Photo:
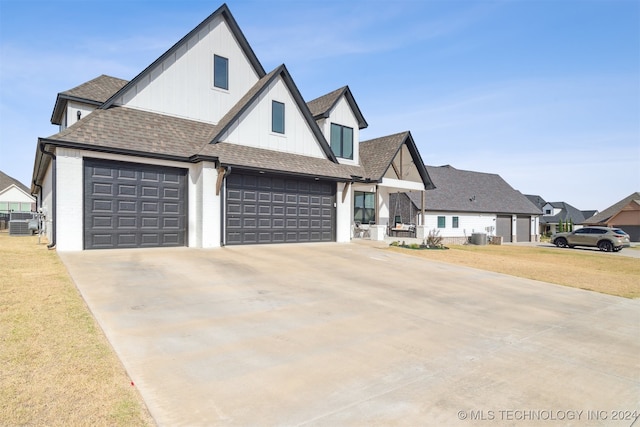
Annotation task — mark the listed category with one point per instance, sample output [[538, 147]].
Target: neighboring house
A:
[[14, 197], [554, 212], [625, 215], [204, 148], [466, 202]]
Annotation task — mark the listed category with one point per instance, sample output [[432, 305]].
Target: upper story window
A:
[[220, 72], [547, 211], [277, 117], [342, 141]]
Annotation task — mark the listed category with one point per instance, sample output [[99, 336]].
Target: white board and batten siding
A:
[[70, 115], [182, 84], [253, 128], [342, 114]]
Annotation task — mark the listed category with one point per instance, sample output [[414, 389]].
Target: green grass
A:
[[57, 367]]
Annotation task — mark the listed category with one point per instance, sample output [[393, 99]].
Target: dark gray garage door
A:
[[523, 229], [263, 208], [130, 205], [503, 227]]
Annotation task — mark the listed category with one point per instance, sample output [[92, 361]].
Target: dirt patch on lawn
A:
[[591, 270], [57, 366]]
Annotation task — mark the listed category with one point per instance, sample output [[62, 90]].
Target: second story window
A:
[[277, 117], [342, 141], [220, 72]]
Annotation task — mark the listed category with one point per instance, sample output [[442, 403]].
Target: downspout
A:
[[53, 195], [221, 189]]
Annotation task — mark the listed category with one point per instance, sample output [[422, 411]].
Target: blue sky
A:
[[544, 93]]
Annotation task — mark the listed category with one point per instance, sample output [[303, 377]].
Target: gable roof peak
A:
[[95, 92], [253, 94], [6, 181], [235, 30], [322, 106]]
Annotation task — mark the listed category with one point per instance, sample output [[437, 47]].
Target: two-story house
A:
[[204, 148], [555, 212]]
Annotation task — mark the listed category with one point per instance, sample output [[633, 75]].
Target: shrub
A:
[[434, 240]]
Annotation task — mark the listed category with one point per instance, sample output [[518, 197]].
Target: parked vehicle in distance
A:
[[606, 239]]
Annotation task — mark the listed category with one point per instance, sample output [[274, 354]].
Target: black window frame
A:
[[220, 81], [363, 214], [275, 126], [338, 146]]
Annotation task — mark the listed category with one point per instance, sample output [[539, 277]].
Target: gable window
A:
[[442, 223], [454, 223], [364, 207], [547, 211], [220, 72], [277, 117], [342, 141]]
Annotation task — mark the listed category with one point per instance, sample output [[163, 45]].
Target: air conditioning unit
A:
[[19, 227]]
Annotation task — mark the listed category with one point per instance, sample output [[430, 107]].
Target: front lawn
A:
[[585, 269], [57, 367]]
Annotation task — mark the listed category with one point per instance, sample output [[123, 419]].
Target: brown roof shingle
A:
[[377, 154], [132, 130], [277, 161], [99, 89]]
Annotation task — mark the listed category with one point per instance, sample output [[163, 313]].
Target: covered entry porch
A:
[[395, 166]]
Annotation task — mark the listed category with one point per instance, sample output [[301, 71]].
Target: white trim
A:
[[401, 184]]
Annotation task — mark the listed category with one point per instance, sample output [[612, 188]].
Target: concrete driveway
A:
[[351, 334]]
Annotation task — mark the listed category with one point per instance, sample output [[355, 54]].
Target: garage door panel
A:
[[270, 209], [100, 189], [523, 228], [130, 205], [503, 227]]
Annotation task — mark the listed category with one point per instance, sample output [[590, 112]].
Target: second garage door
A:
[[262, 208], [523, 229], [503, 227]]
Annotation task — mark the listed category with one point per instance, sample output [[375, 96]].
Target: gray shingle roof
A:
[[6, 181], [604, 216], [536, 200], [467, 191], [567, 213]]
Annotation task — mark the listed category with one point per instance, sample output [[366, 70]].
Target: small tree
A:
[[560, 226], [570, 224]]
